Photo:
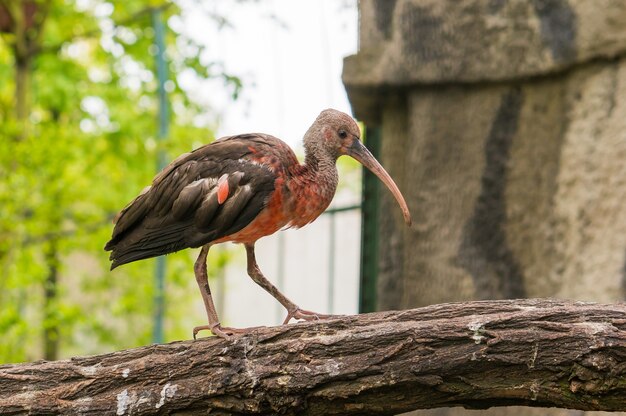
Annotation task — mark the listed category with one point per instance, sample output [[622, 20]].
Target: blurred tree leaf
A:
[[89, 148]]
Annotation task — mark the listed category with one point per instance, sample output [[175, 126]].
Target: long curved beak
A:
[[360, 153]]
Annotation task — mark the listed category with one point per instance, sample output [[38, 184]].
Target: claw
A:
[[298, 313], [223, 332]]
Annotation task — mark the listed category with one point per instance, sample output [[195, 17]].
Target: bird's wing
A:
[[202, 196]]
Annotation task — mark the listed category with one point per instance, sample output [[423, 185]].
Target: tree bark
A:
[[474, 354]]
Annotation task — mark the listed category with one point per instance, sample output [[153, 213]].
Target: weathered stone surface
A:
[[504, 125], [516, 190], [406, 43], [434, 41], [517, 187], [475, 354]]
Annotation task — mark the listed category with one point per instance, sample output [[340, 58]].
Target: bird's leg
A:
[[202, 278], [293, 310]]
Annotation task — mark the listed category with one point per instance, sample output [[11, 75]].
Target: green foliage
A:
[[90, 147]]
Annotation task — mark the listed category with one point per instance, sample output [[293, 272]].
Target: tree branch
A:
[[474, 354]]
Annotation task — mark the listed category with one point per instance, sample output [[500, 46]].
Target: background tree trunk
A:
[[504, 124], [50, 314], [474, 354], [24, 20]]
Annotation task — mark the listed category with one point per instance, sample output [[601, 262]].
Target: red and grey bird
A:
[[239, 189]]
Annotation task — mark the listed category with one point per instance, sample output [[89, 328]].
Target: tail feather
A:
[[123, 255], [128, 257], [131, 256], [143, 242]]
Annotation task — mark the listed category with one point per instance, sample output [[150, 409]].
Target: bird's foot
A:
[[297, 313], [224, 332]]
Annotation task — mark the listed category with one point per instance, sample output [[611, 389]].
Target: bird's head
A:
[[335, 134]]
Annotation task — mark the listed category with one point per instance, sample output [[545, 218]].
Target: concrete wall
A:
[[504, 125]]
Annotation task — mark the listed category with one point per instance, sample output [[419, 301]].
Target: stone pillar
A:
[[504, 124]]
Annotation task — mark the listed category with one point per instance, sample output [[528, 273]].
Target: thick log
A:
[[473, 354]]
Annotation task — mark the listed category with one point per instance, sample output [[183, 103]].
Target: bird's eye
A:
[[343, 134]]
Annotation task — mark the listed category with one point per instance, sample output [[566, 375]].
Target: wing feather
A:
[[191, 196], [180, 209], [208, 208]]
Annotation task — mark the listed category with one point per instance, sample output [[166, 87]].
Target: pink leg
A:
[[293, 310], [203, 283]]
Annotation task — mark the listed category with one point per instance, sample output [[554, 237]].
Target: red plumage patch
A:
[[222, 189]]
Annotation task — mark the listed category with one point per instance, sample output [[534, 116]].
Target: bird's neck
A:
[[314, 186], [320, 164], [321, 172]]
